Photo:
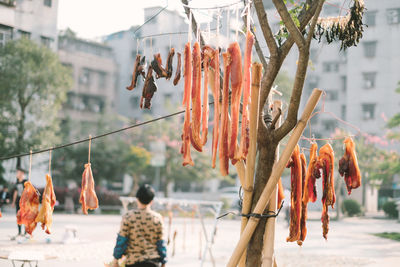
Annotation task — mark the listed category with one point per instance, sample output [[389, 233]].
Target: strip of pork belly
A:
[[348, 166], [295, 196], [207, 55], [224, 133], [303, 221], [245, 139], [236, 94], [178, 70], [169, 63], [215, 87], [187, 159], [195, 137]]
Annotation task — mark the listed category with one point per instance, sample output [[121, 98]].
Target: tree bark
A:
[[263, 171]]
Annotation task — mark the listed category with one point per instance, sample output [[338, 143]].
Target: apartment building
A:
[[34, 19]]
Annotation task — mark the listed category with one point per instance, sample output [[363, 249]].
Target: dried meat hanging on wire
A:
[[325, 162], [208, 53], [224, 133], [303, 221], [45, 215], [140, 65], [215, 86], [88, 197], [295, 196], [195, 137], [310, 190], [245, 139], [178, 70], [185, 149], [169, 63], [29, 207], [157, 66], [235, 62], [149, 88], [348, 166]]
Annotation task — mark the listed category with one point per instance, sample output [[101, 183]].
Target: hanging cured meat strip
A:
[[303, 227], [140, 65], [88, 197], [236, 87], [29, 207], [244, 139], [149, 88], [157, 66], [185, 150], [295, 196], [178, 70], [45, 215], [195, 124], [215, 86], [169, 63], [223, 138], [207, 55], [310, 193], [325, 162], [348, 166]]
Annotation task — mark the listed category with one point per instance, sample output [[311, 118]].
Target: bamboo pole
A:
[[241, 169], [251, 156], [273, 179], [269, 234]]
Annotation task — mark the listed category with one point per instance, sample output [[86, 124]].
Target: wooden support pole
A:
[[256, 70], [269, 234], [241, 170], [274, 178]]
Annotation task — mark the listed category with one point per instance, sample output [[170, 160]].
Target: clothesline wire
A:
[[150, 19], [169, 33], [96, 136]]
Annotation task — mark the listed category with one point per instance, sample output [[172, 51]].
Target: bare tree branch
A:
[[289, 23], [298, 85], [265, 28], [314, 22]]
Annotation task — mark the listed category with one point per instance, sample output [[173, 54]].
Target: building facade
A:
[[94, 73], [33, 19]]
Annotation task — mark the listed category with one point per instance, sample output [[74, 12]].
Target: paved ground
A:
[[349, 242]]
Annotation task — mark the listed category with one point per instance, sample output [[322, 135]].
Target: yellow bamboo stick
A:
[[269, 234], [273, 179], [251, 156]]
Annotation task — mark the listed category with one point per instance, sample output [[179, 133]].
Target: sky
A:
[[95, 18]]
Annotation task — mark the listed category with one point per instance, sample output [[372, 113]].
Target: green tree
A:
[[394, 122], [33, 85], [136, 160]]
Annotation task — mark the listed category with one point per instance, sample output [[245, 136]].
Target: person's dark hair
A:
[[145, 194]]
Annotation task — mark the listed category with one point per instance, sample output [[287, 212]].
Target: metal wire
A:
[[215, 7]]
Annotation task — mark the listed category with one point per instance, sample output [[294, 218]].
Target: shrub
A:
[[351, 207], [390, 209]]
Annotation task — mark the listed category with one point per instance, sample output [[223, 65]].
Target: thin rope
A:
[[30, 165], [98, 136], [50, 162], [90, 144], [215, 7]]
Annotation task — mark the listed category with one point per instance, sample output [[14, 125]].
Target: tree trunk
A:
[[263, 171]]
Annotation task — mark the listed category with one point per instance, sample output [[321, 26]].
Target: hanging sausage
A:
[[348, 166]]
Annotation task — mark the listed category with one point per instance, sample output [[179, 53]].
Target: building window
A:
[[330, 66], [329, 125], [332, 95], [369, 79], [343, 81], [393, 15], [24, 34], [5, 34], [47, 3], [85, 77], [370, 18], [343, 111], [368, 111], [370, 49], [102, 79], [46, 41]]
